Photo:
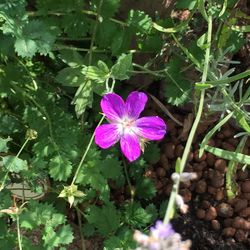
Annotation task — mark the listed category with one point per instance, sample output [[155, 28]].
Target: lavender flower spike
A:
[[126, 126]]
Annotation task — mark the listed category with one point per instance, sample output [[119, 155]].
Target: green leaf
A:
[[38, 214], [152, 210], [111, 168], [112, 243], [60, 168], [152, 153], [184, 4], [75, 25], [212, 131], [25, 47], [108, 7], [242, 122], [121, 41], [14, 164], [35, 37], [120, 70], [227, 80], [63, 236], [136, 216], [178, 165], [72, 58], [140, 21], [88, 229], [105, 219], [106, 31], [145, 189], [99, 74], [231, 186], [70, 77], [177, 89], [201, 42], [3, 144], [83, 98], [92, 175], [229, 155]]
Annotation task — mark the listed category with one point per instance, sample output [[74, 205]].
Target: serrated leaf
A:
[[145, 188], [70, 77], [152, 210], [137, 216], [120, 70], [108, 8], [91, 175], [35, 37], [111, 168], [105, 219], [25, 47], [140, 21], [14, 164], [75, 25], [88, 229], [112, 243], [3, 144], [152, 153], [63, 236], [60, 168], [177, 88]]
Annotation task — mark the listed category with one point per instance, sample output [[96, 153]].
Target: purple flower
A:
[[126, 126], [161, 230]]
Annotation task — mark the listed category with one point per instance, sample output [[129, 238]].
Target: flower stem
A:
[[128, 180], [86, 152], [80, 229], [172, 199], [19, 152], [19, 233]]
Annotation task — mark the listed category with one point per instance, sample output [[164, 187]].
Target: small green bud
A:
[[31, 134]]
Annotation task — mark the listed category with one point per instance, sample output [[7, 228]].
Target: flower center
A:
[[127, 125]]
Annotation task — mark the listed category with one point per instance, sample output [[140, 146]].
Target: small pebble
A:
[[229, 231], [211, 213], [245, 186], [240, 204], [200, 213], [224, 210], [215, 225], [201, 186]]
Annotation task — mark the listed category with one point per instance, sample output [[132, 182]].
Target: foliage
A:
[[57, 58]]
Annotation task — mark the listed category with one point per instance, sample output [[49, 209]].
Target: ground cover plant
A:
[[124, 124]]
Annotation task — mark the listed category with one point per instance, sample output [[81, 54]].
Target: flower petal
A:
[[151, 127], [113, 106], [130, 146], [135, 104], [107, 135]]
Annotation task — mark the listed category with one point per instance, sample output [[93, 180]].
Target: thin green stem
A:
[[172, 199], [128, 180], [86, 152], [62, 47], [30, 75], [80, 229], [17, 155], [94, 32], [148, 71], [19, 233]]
